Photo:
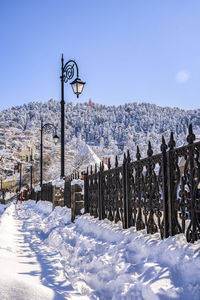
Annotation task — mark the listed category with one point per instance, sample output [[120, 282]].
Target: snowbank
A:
[[59, 183], [78, 181], [104, 261], [9, 195], [37, 188], [3, 207]]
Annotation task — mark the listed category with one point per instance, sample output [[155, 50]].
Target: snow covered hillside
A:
[[113, 129], [52, 258]]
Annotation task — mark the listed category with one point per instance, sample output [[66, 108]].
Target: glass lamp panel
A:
[[55, 139], [80, 87], [75, 88]]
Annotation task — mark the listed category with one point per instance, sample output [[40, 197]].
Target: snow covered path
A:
[[45, 256], [26, 271]]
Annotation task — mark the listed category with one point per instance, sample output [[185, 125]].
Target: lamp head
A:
[[77, 86], [55, 139]]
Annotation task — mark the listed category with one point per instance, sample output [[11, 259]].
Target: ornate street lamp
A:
[[77, 86], [20, 174], [48, 127], [31, 169]]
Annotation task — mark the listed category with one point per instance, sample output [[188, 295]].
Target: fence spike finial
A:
[[171, 143], [149, 151], [87, 171], [138, 155], [163, 147], [191, 136], [109, 164], [128, 156], [95, 168], [124, 161], [116, 161], [91, 169]]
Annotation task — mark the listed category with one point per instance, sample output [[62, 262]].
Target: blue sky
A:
[[126, 50]]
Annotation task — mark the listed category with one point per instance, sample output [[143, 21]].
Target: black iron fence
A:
[[47, 192], [160, 193], [67, 192]]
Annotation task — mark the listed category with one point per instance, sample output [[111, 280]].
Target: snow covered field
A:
[[45, 256]]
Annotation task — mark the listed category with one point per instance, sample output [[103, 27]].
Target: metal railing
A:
[[160, 193]]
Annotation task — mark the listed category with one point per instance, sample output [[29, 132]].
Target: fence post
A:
[[124, 191], [38, 195], [41, 195], [44, 192], [100, 198], [193, 230], [138, 221], [86, 203], [67, 192], [96, 185], [126, 187], [171, 185], [53, 195], [49, 191], [165, 228]]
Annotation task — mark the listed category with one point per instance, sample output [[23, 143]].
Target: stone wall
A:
[[77, 194], [72, 195], [58, 196]]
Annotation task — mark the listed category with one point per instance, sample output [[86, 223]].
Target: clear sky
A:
[[126, 50]]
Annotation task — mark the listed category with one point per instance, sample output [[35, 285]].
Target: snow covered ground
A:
[[45, 256]]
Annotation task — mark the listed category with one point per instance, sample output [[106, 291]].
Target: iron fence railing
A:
[[160, 193]]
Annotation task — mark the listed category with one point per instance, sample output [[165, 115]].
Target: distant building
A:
[[26, 153], [9, 182], [86, 157]]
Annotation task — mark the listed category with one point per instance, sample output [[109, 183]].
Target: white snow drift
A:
[[91, 259]]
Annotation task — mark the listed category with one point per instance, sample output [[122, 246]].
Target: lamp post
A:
[[31, 161], [48, 127], [67, 71], [20, 178]]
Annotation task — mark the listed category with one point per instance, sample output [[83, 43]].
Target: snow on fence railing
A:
[[157, 193]]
